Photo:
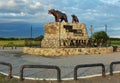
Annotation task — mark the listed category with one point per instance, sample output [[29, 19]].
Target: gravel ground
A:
[[66, 64]]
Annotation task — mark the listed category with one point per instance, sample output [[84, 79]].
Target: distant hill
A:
[[21, 29]]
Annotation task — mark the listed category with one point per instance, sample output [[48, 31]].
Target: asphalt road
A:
[[66, 64]]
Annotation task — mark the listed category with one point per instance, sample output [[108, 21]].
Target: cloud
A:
[[13, 14], [91, 12], [117, 36], [111, 2], [11, 3], [25, 1], [115, 28], [7, 3], [36, 5]]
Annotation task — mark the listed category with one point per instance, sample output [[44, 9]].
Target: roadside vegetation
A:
[[20, 42], [4, 79], [102, 37], [115, 41]]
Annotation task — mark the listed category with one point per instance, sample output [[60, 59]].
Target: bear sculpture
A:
[[59, 16], [74, 18]]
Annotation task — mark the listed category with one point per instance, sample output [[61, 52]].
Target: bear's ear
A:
[[52, 9], [72, 15]]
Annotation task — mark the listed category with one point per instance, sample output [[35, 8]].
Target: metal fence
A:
[[111, 66], [9, 69], [89, 65], [58, 69], [41, 66]]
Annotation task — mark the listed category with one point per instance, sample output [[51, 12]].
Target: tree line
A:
[[13, 38]]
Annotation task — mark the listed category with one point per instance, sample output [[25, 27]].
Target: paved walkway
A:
[[66, 64]]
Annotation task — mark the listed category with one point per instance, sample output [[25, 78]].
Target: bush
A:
[[100, 38]]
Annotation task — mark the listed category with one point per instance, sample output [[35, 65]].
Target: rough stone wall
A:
[[50, 43], [118, 49], [67, 51], [56, 31]]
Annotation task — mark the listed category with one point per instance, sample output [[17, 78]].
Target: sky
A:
[[97, 13]]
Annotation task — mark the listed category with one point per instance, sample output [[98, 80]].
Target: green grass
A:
[[4, 79], [115, 43], [18, 43], [12, 43]]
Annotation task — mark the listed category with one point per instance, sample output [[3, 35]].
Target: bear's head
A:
[[73, 15], [52, 11]]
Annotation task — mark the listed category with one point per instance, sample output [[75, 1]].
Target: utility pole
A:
[[91, 29], [108, 40], [31, 32], [106, 28], [31, 36]]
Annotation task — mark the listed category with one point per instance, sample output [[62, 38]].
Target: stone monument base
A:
[[59, 34], [67, 51]]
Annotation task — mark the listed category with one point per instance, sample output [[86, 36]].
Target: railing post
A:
[[111, 69], [75, 73], [3, 47], [41, 66], [103, 70], [21, 72], [89, 65], [9, 69], [111, 66], [58, 74]]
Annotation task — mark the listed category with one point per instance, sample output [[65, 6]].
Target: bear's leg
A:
[[55, 19], [61, 20], [65, 18]]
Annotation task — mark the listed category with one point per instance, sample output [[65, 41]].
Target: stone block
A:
[[67, 51], [56, 32]]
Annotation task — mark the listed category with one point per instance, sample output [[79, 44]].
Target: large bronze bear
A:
[[59, 16], [74, 18]]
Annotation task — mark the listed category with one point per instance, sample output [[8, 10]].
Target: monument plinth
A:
[[61, 39], [65, 38], [59, 34]]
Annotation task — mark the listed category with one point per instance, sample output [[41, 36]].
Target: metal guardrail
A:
[[41, 66], [58, 69], [111, 66], [89, 65], [9, 70]]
